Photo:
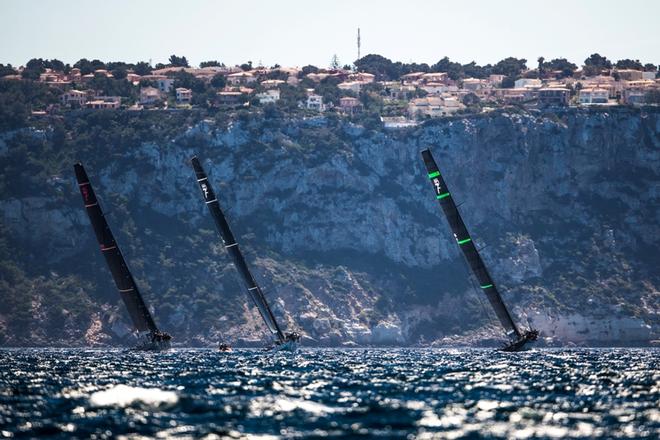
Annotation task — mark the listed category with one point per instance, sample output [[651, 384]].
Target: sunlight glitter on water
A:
[[330, 393]]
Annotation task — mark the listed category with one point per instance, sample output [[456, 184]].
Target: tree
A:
[[511, 67], [306, 70], [246, 66], [34, 68], [7, 70], [381, 67], [142, 68], [508, 83], [54, 64], [565, 67], [596, 64], [629, 64], [329, 90], [87, 66], [211, 64], [219, 81], [188, 81], [176, 61], [540, 72], [650, 67], [473, 70], [471, 100], [119, 72], [453, 69], [334, 62]]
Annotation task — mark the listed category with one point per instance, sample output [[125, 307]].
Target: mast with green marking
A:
[[464, 241]]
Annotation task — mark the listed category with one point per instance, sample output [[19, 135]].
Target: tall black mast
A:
[[230, 243], [467, 246], [137, 309]]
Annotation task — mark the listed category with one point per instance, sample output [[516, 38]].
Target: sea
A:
[[330, 393]]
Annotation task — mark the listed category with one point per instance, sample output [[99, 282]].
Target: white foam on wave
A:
[[123, 396]]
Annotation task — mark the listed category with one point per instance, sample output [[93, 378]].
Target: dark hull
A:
[[528, 336], [153, 346]]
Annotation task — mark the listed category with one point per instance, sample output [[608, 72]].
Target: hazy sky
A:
[[300, 32]]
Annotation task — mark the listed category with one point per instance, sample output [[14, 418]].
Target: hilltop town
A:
[[399, 95]]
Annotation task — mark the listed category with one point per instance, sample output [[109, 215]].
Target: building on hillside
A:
[[230, 98], [74, 98], [527, 83], [434, 106], [593, 95], [474, 84], [272, 83], [133, 78], [241, 78], [553, 96], [183, 95], [630, 74], [412, 78], [270, 96], [362, 77], [315, 102], [513, 96], [436, 88], [164, 83], [349, 105], [650, 75], [634, 96], [150, 96], [353, 86], [396, 90], [102, 73], [104, 103], [435, 77], [496, 80]]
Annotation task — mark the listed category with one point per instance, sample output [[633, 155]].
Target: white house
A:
[[353, 86], [434, 106], [150, 96], [269, 96], [524, 83], [183, 95], [315, 102], [241, 78], [74, 98], [593, 95]]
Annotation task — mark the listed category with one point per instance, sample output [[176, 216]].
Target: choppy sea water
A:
[[330, 393]]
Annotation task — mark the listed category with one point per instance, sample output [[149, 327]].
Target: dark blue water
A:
[[330, 393]]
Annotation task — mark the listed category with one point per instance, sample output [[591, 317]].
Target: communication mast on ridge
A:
[[358, 43]]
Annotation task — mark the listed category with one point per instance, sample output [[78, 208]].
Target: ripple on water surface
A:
[[330, 393]]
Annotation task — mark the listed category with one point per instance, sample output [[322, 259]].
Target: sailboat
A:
[[517, 338], [283, 341], [149, 336]]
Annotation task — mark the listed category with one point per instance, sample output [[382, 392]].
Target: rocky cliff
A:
[[341, 226]]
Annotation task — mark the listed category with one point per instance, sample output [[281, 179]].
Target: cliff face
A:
[[343, 231]]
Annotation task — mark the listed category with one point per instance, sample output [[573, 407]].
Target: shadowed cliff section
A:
[[340, 224]]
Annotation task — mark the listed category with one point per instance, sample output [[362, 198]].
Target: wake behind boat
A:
[[517, 339], [283, 341], [149, 336]]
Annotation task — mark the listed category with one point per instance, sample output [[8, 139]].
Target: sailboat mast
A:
[[467, 246], [231, 245], [137, 309]]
